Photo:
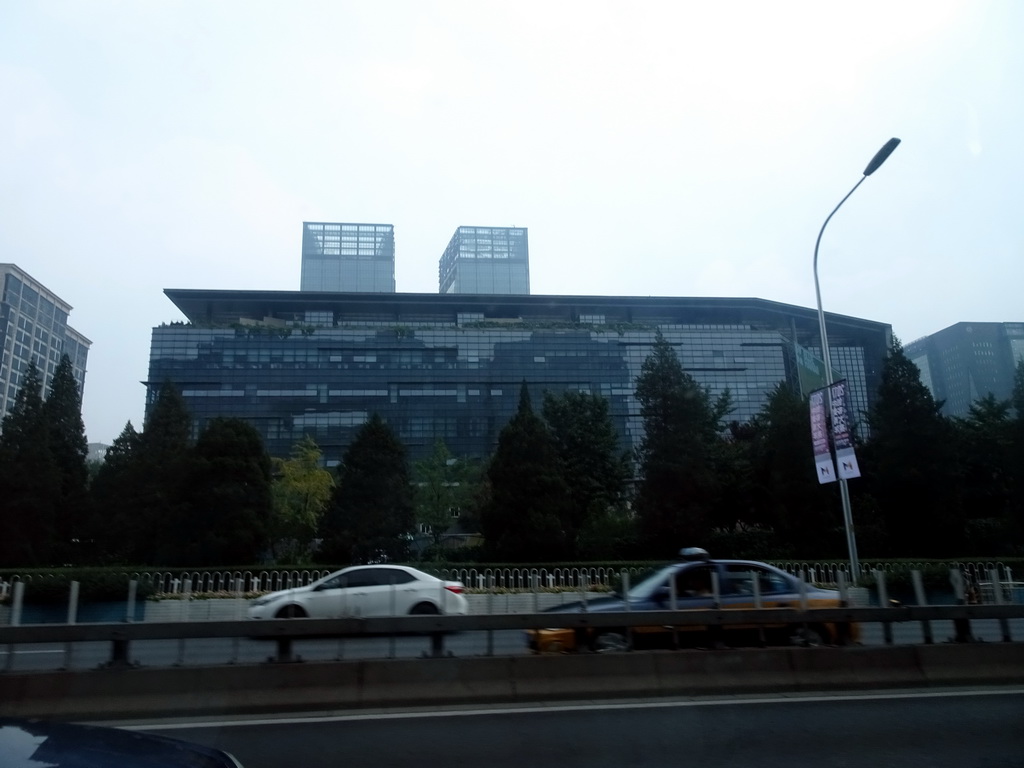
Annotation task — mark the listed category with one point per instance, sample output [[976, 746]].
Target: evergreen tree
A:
[[29, 480], [909, 465], [371, 515], [229, 497], [526, 517], [1016, 462], [595, 469], [984, 443], [678, 488], [301, 491], [163, 452], [168, 427], [117, 530], [70, 449], [804, 515]]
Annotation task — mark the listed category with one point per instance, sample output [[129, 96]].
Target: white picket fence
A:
[[521, 578]]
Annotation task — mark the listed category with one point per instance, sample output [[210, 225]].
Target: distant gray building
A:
[[355, 258], [34, 327], [296, 363], [97, 452], [488, 260], [967, 361]]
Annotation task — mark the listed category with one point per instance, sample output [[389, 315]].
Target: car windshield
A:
[[650, 585]]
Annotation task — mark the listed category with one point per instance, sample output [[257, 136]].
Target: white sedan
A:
[[364, 590]]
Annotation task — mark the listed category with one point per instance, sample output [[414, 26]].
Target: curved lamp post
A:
[[851, 540]]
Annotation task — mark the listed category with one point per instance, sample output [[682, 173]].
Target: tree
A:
[[371, 514], [595, 469], [163, 453], [984, 442], [29, 479], [301, 491], [1016, 461], [70, 450], [167, 432], [909, 464], [442, 490], [229, 497], [118, 524], [786, 497], [526, 516], [678, 486]]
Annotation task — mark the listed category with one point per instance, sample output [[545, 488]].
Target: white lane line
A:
[[580, 707]]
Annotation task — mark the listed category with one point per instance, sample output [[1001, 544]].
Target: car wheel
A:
[[291, 612], [610, 642], [424, 609], [810, 637]]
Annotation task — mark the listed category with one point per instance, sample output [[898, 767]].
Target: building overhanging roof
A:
[[215, 306]]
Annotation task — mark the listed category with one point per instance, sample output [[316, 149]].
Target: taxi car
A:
[[695, 580]]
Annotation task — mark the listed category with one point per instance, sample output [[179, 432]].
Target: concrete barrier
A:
[[411, 682], [966, 663], [348, 685], [750, 670], [538, 678], [856, 667]]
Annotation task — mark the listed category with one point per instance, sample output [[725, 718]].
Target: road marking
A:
[[578, 707]]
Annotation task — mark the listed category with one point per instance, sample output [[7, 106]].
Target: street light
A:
[[851, 540]]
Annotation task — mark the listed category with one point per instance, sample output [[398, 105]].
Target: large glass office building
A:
[[450, 367], [492, 260], [348, 257], [34, 328], [967, 361]]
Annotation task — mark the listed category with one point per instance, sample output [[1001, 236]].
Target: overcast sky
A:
[[670, 149]]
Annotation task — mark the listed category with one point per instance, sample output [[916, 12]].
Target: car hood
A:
[[44, 744], [283, 593]]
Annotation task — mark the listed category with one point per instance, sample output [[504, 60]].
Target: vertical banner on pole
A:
[[819, 438], [846, 459]]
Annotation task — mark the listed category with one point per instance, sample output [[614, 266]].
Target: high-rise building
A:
[[486, 260], [968, 361], [34, 328], [450, 367], [348, 257]]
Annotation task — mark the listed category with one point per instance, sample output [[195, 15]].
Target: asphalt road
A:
[[162, 653], [958, 729]]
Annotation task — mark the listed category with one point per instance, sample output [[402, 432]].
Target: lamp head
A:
[[881, 156]]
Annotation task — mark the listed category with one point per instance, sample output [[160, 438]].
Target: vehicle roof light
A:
[[694, 554]]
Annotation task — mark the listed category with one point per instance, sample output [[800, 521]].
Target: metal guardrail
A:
[[285, 631]]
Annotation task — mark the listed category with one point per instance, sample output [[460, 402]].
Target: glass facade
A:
[[34, 327], [490, 260], [967, 361], [436, 366], [348, 257]]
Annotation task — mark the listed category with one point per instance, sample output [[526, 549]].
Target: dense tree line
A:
[[558, 486], [43, 475], [932, 486]]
